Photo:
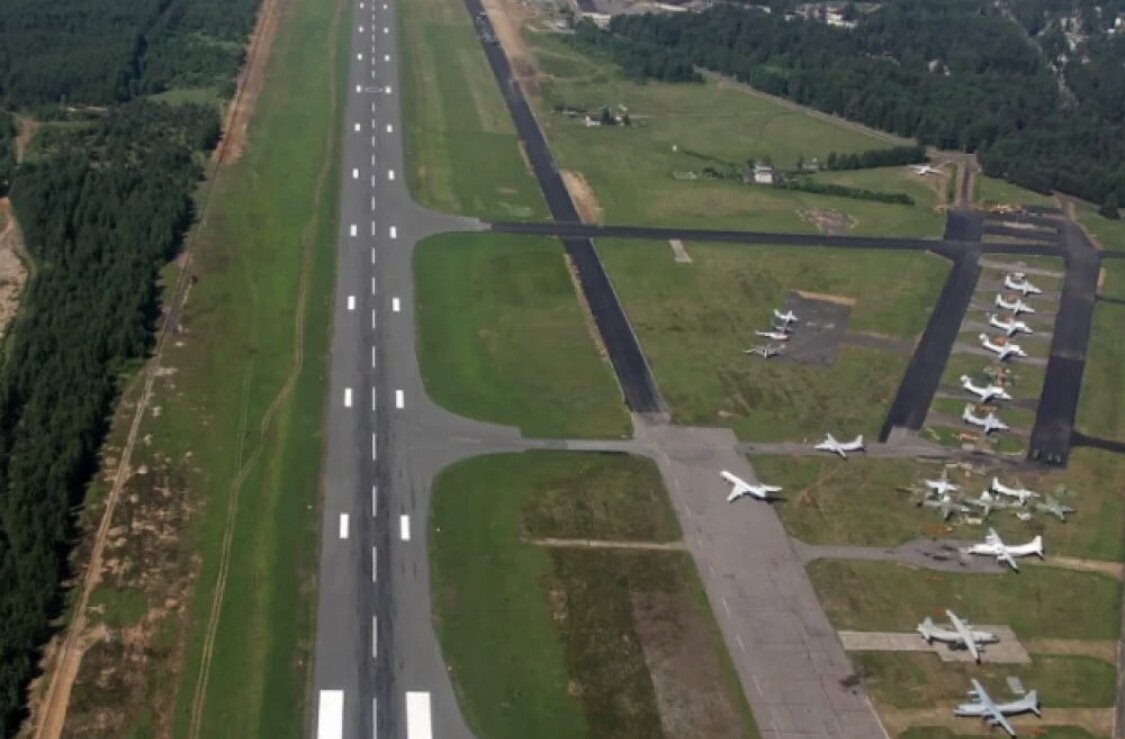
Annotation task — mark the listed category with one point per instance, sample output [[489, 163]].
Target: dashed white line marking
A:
[[374, 637], [374, 719], [359, 88], [372, 285], [355, 173], [361, 29], [400, 399], [374, 438], [351, 302], [354, 230], [372, 159], [404, 527], [393, 232], [373, 231], [372, 106], [372, 203], [373, 139], [357, 128], [373, 324], [374, 564], [725, 606], [373, 255], [343, 526], [359, 56], [386, 57], [372, 74], [738, 637], [390, 128], [374, 500], [418, 722], [347, 397], [386, 30], [395, 304], [391, 175], [384, 6], [330, 715], [373, 180]]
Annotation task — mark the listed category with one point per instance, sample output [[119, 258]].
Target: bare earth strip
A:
[[664, 546], [49, 716], [13, 270]]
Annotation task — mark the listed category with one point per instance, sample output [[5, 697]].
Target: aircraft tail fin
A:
[[926, 629], [859, 441], [1032, 699], [1037, 546]]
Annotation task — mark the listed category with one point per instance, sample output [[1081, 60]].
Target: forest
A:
[[103, 205], [956, 74]]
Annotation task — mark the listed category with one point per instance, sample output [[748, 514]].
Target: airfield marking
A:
[[357, 128], [330, 715], [355, 173], [343, 526], [374, 637], [372, 285], [354, 230], [741, 646], [725, 606], [404, 527], [391, 175], [372, 106], [372, 73], [374, 501], [390, 128], [388, 90], [374, 564], [395, 305], [400, 399], [372, 159], [386, 57], [373, 228], [373, 321], [386, 30], [347, 397], [372, 203], [361, 29], [418, 722], [372, 139], [374, 721], [351, 302], [393, 232], [372, 357], [373, 255], [359, 56], [373, 180], [358, 88], [374, 438]]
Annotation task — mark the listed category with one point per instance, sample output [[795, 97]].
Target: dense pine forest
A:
[[1034, 86], [104, 202]]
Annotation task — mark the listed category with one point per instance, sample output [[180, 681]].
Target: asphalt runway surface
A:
[[621, 344], [923, 374], [995, 229]]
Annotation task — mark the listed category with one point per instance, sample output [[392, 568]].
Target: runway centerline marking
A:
[[354, 230], [404, 527], [361, 29], [343, 526], [374, 564], [374, 501], [395, 305], [373, 255], [330, 715], [347, 397], [373, 203], [373, 319], [400, 399], [374, 637], [372, 285], [418, 722], [374, 438], [372, 357], [351, 302]]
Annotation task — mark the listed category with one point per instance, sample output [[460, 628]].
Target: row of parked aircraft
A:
[[780, 329]]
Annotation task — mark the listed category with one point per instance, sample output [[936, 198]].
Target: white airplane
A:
[[994, 546], [959, 635], [773, 335], [765, 351], [946, 505], [786, 318], [941, 487], [1018, 281], [1004, 350], [993, 713], [985, 392], [1021, 494], [1016, 306], [925, 169], [1010, 326], [740, 488], [842, 448], [989, 423]]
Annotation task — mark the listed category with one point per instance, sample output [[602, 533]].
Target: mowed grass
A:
[[678, 128], [695, 320], [992, 191], [546, 642], [1041, 732], [244, 409], [502, 337], [1037, 603], [463, 155]]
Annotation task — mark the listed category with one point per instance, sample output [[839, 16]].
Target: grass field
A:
[[1045, 732], [501, 337], [681, 128], [1037, 603], [553, 642], [991, 191], [223, 502], [463, 155], [695, 320]]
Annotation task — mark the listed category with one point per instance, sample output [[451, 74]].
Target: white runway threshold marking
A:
[[391, 175], [359, 56], [386, 57], [386, 30], [400, 399], [387, 89], [351, 302], [390, 128], [418, 722], [330, 715], [361, 29], [357, 128], [343, 526], [355, 173], [354, 230], [404, 527], [359, 88], [396, 305], [393, 232], [347, 397]]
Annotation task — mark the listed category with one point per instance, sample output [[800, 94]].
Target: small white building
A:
[[764, 174]]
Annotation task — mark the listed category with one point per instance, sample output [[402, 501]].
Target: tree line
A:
[[956, 74], [103, 205]]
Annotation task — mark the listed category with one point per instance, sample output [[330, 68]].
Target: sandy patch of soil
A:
[[829, 222], [665, 546], [507, 18], [837, 299], [589, 210], [25, 130], [13, 270]]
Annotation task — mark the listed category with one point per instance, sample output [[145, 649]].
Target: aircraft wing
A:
[[1003, 556], [996, 718], [736, 492]]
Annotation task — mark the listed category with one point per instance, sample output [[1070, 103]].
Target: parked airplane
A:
[[1010, 326], [959, 635], [985, 392], [925, 169], [942, 486], [989, 423], [947, 505], [994, 546], [993, 713], [740, 488], [842, 448], [986, 503], [773, 334], [1054, 508], [1004, 350], [765, 351], [1016, 306], [1018, 281], [786, 318], [1021, 494]]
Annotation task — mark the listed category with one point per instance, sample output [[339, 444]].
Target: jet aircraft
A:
[[925, 169], [1004, 351], [988, 423], [1016, 306], [1054, 508], [1018, 281], [1021, 494], [740, 488], [993, 713], [946, 505], [942, 486], [786, 318], [960, 634], [985, 392], [1010, 326], [842, 448], [994, 546]]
